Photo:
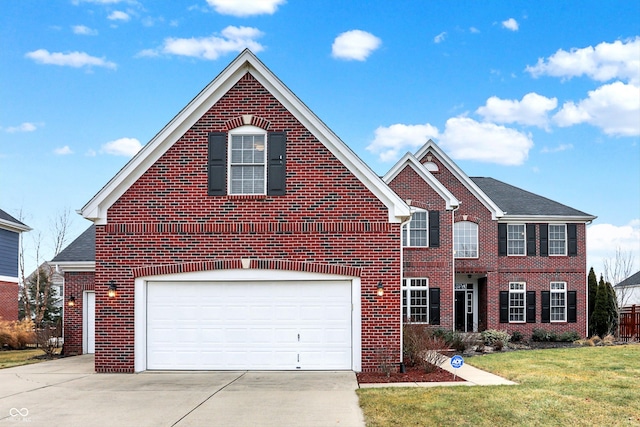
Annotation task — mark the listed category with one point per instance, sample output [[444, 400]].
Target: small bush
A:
[[492, 337], [609, 340], [569, 336], [542, 335], [498, 346], [385, 359], [517, 336], [421, 345], [16, 335]]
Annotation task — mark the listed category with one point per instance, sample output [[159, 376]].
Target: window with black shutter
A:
[[502, 239], [545, 306], [504, 306], [217, 164], [531, 239], [572, 234], [544, 239], [434, 306], [434, 229], [572, 307]]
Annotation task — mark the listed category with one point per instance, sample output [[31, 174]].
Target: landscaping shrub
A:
[[569, 336], [16, 335], [495, 338], [517, 336], [542, 335], [421, 346]]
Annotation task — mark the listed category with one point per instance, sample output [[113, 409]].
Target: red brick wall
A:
[[75, 283], [167, 218], [8, 301]]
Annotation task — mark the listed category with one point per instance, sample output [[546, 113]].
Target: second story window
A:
[[247, 170], [416, 232], [515, 239], [557, 239], [465, 239]]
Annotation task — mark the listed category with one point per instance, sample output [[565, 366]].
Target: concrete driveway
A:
[[67, 392]]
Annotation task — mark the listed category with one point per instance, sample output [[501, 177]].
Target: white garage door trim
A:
[[88, 322], [243, 275]]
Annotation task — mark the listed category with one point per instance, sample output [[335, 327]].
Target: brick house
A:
[[10, 232], [247, 235]]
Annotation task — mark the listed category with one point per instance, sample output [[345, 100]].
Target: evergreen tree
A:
[[593, 288], [612, 308], [38, 300], [599, 323]]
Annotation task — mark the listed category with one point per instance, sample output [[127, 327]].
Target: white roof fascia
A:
[[14, 226], [96, 208], [496, 212], [75, 266], [545, 218], [409, 160]]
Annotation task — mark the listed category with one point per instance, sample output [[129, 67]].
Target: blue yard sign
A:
[[457, 361]]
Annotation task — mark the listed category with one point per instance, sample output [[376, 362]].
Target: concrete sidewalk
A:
[[471, 375], [67, 392]]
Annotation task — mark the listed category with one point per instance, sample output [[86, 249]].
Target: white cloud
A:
[[531, 110], [354, 45], [70, 59], [122, 147], [510, 24], [467, 139], [390, 142], [84, 30], [615, 108], [62, 151], [245, 7], [559, 148], [76, 2], [23, 127], [118, 15], [607, 61], [232, 39], [474, 30], [440, 37], [604, 239]]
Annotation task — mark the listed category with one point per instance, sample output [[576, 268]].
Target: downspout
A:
[[408, 201], [453, 267]]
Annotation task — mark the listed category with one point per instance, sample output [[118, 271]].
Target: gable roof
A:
[[408, 160], [79, 255], [10, 223], [495, 210], [633, 280], [516, 202], [246, 62]]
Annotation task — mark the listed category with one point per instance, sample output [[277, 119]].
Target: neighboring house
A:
[[481, 254], [247, 235], [10, 232], [628, 291]]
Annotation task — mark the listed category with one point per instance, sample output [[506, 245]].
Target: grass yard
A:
[[586, 386], [10, 358]]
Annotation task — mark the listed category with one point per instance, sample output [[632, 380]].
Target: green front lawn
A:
[[10, 358], [590, 386]]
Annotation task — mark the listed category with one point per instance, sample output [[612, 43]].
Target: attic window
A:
[[431, 167], [247, 171]]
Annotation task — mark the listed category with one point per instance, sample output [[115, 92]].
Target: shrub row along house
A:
[[247, 235]]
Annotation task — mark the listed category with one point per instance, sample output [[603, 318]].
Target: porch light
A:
[[72, 301], [380, 289], [112, 289]]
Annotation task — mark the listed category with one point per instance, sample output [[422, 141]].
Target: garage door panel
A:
[[249, 325]]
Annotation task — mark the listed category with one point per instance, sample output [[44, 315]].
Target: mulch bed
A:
[[412, 374]]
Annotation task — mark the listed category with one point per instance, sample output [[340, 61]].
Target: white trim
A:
[[496, 212], [409, 160], [566, 240], [549, 219], [14, 226], [75, 266], [140, 302], [96, 208], [9, 279], [247, 130], [557, 291], [524, 240], [85, 321], [522, 291]]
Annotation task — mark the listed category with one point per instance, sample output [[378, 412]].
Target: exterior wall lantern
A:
[[112, 289], [380, 289], [72, 301]]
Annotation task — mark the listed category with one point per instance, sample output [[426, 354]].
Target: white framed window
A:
[[558, 301], [247, 161], [517, 293], [465, 239], [516, 239], [557, 239], [415, 300], [416, 232]]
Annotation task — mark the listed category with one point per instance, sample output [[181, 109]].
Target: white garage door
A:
[[249, 325]]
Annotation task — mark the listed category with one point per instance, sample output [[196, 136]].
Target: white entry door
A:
[[89, 323], [276, 325]]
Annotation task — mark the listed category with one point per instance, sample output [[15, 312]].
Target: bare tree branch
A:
[[60, 230]]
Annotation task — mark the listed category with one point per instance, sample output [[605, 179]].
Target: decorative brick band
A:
[[247, 228], [230, 264]]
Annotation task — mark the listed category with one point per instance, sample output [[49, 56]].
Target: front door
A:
[[464, 307]]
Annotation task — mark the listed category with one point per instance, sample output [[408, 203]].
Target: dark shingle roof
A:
[[81, 249], [634, 279], [518, 202], [8, 218]]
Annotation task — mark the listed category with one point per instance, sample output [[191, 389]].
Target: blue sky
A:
[[542, 95]]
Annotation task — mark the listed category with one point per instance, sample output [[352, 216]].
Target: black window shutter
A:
[[531, 239], [434, 229], [276, 166], [434, 306], [531, 307], [504, 306], [502, 239], [572, 307], [544, 239], [217, 164], [572, 234], [546, 306]]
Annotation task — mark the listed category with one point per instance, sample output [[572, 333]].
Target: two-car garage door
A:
[[279, 325]]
